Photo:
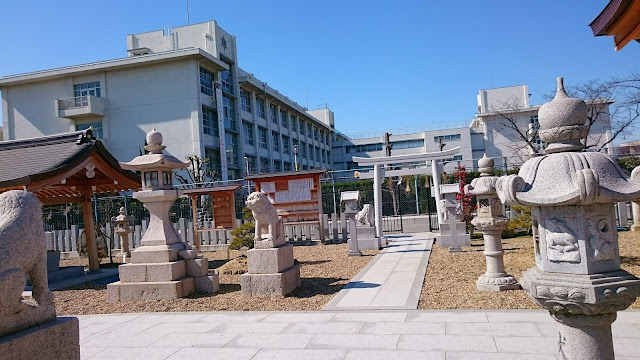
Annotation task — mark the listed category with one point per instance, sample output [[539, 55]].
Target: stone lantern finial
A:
[[154, 142], [562, 122], [485, 166]]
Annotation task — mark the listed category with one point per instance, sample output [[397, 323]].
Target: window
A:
[[285, 145], [226, 78], [150, 178], [272, 113], [209, 121], [287, 166], [206, 81], [407, 144], [327, 138], [321, 135], [311, 152], [309, 132], [264, 165], [262, 141], [247, 130], [303, 150], [317, 154], [275, 141], [364, 148], [167, 177], [455, 158], [294, 123], [260, 107], [283, 119], [232, 148], [277, 165], [453, 137], [323, 157], [229, 113], [97, 128], [245, 100], [212, 156], [301, 127], [92, 88]]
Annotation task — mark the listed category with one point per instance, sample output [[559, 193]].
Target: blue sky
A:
[[377, 64]]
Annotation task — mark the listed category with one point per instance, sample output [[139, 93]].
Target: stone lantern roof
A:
[[567, 175], [486, 183], [155, 159]]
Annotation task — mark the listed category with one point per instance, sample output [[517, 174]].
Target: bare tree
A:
[[511, 121], [617, 99], [198, 173]]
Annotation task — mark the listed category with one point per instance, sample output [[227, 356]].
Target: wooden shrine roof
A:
[[62, 168], [210, 189], [620, 18]]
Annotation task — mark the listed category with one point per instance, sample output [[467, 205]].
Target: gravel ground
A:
[[451, 277], [324, 269]]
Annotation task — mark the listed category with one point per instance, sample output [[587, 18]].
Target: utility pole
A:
[[441, 144]]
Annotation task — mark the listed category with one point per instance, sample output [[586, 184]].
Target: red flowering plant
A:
[[466, 205]]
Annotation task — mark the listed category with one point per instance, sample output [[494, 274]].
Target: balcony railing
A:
[[80, 106]]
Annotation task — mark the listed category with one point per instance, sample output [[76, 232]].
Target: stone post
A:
[[453, 233], [577, 276], [377, 198], [350, 199], [123, 230], [491, 221], [635, 210]]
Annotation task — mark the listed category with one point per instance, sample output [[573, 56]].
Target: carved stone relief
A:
[[600, 239], [562, 243]]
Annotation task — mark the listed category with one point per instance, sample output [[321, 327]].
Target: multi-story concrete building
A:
[[184, 83], [503, 121]]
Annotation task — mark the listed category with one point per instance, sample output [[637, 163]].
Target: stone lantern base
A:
[[162, 272], [584, 306]]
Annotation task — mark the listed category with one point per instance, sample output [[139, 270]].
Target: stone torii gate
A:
[[379, 173]]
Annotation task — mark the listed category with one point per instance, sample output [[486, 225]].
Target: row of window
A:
[[283, 117], [364, 148], [452, 137]]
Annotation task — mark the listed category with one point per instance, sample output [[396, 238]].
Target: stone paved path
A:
[[400, 334], [392, 280]]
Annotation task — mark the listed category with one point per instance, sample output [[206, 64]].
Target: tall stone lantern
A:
[[577, 276], [491, 221], [123, 230], [163, 267]]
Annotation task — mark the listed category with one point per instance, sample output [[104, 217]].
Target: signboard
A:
[[301, 184], [221, 135], [268, 187], [293, 195]]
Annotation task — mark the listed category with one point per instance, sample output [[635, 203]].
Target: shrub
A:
[[522, 219], [243, 235]]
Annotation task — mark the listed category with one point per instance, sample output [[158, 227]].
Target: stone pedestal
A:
[[367, 239], [635, 210], [58, 339], [453, 233], [271, 271]]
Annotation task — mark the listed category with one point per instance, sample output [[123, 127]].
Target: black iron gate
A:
[[391, 209]]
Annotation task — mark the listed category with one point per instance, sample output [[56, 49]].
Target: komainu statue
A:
[[365, 216], [23, 251], [265, 216]]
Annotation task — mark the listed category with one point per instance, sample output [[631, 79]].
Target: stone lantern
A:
[[350, 199], [491, 221], [163, 267], [123, 230], [577, 276]]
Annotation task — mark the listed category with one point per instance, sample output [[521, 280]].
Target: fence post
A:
[[343, 226], [74, 237], [334, 226], [49, 236]]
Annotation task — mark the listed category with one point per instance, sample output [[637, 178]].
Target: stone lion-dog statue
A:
[[23, 251], [265, 216], [365, 216]]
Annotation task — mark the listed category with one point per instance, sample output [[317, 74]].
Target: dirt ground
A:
[[325, 269], [451, 277]]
